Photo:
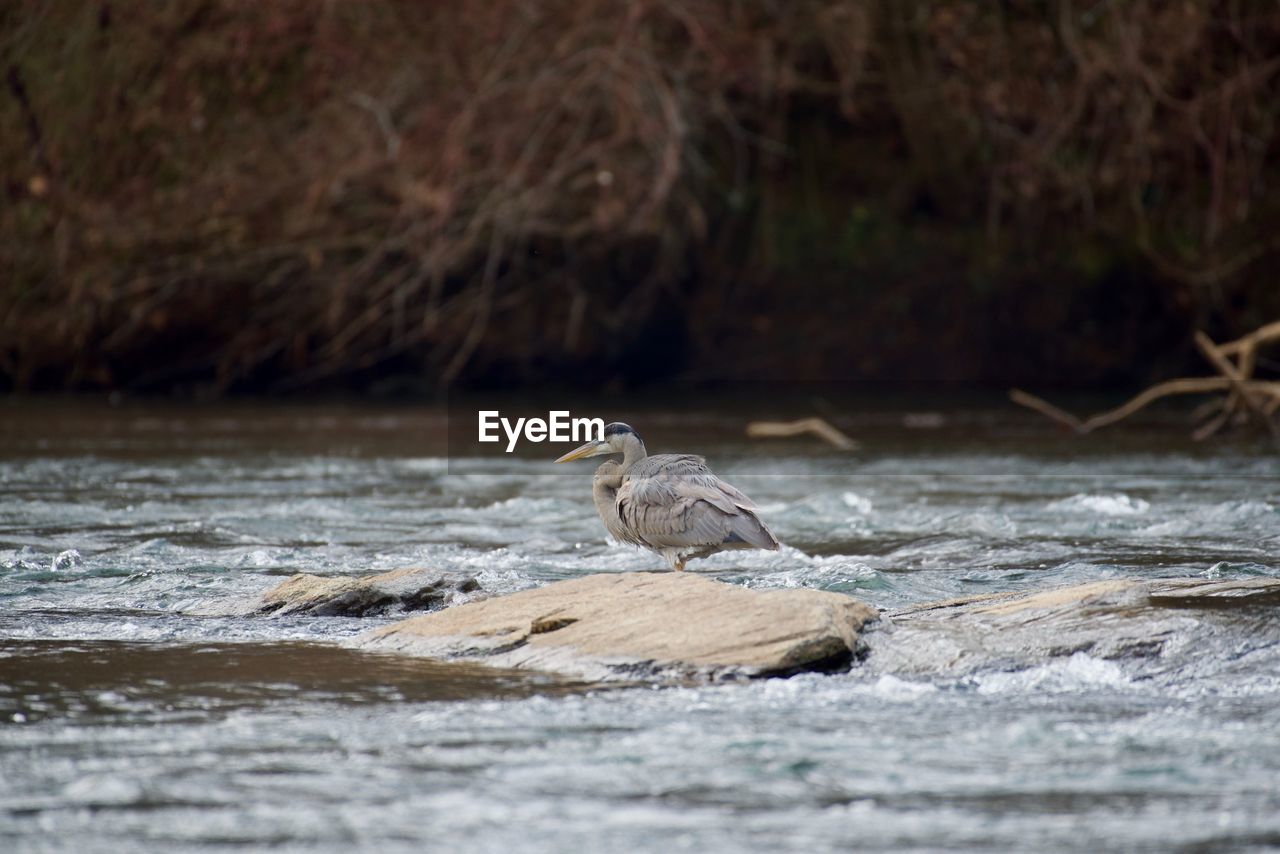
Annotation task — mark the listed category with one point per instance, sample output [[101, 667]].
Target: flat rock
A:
[[1112, 619], [1201, 593], [641, 625], [410, 589]]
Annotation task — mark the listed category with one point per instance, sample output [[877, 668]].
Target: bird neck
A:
[[632, 453], [605, 489], [607, 477]]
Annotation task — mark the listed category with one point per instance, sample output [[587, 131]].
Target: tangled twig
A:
[[1246, 400]]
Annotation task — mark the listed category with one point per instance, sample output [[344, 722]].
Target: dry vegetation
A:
[[290, 194]]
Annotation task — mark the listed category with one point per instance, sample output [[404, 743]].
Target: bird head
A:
[[614, 441]]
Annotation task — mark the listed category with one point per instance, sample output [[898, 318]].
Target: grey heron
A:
[[671, 504]]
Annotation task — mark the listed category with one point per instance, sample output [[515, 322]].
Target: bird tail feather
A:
[[749, 530]]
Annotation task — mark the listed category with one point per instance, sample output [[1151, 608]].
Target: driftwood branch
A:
[[1231, 372], [1246, 399], [1151, 395], [1214, 424], [1047, 409], [813, 426], [1263, 335]]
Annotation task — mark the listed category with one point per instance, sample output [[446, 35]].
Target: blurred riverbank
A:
[[210, 197]]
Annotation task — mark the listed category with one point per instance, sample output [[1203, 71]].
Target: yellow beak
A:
[[590, 449]]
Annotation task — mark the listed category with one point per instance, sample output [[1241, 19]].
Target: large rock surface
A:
[[671, 626], [641, 625], [1111, 619]]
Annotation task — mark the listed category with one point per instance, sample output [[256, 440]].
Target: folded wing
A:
[[673, 501]]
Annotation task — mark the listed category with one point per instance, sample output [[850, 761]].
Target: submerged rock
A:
[[398, 590], [1120, 618], [637, 625]]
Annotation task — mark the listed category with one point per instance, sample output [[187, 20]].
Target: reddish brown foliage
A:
[[291, 192]]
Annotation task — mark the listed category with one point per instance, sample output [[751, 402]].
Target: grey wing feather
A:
[[674, 501], [655, 480]]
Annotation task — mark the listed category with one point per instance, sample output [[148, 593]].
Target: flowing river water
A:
[[127, 724]]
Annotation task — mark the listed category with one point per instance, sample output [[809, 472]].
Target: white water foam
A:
[[1079, 672], [1117, 504]]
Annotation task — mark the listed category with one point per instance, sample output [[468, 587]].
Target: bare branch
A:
[[814, 426], [1046, 408]]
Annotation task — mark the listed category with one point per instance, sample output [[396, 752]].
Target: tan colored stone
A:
[[1080, 596], [627, 625]]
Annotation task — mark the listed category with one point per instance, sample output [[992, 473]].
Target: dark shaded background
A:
[[216, 196]]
